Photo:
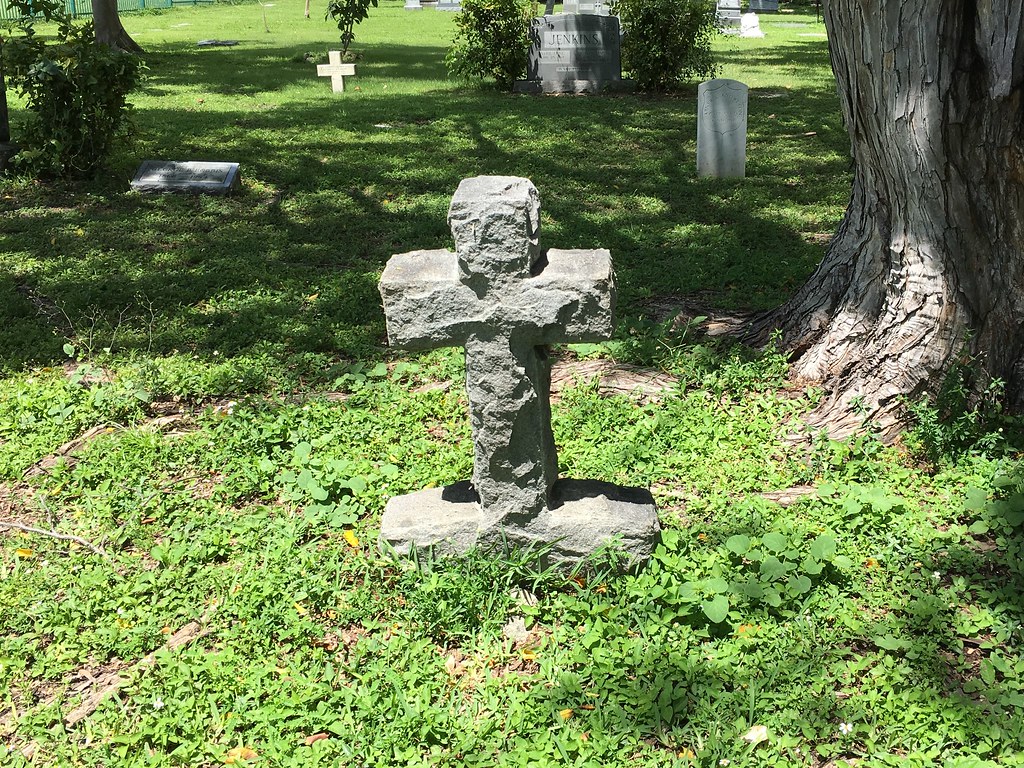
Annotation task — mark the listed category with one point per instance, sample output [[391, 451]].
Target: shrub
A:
[[666, 41], [491, 40], [76, 89], [348, 13]]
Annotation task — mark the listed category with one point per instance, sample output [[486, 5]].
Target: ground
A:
[[198, 390]]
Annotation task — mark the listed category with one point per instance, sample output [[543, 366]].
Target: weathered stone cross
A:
[[501, 298], [335, 70]]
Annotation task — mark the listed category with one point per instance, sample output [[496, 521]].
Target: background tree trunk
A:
[[927, 268], [109, 29]]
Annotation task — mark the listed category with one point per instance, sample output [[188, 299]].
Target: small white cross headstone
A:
[[722, 128], [503, 299], [335, 70]]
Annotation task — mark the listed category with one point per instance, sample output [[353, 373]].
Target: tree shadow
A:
[[332, 188]]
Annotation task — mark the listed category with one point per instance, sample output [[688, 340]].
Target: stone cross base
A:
[[586, 515]]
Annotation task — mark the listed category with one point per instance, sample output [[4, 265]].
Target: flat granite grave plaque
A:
[[722, 128], [574, 54], [504, 299], [188, 176]]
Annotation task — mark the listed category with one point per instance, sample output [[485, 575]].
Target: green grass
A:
[[246, 425]]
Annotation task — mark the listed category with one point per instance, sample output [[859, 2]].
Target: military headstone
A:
[[335, 70], [721, 128], [750, 26], [195, 177], [449, 5], [574, 54], [504, 299], [413, 5]]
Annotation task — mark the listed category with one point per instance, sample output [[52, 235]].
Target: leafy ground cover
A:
[[196, 395]]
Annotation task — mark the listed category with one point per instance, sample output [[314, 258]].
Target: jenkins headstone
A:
[[574, 54]]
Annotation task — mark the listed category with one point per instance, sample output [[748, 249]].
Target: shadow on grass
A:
[[333, 187]]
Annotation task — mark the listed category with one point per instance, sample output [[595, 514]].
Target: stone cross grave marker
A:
[[722, 128], [504, 299], [335, 70]]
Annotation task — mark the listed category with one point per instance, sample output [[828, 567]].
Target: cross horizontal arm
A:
[[425, 304], [586, 286]]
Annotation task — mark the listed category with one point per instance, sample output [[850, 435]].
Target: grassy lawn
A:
[[197, 394]]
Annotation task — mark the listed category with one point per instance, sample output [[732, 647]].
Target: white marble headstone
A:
[[722, 128], [750, 26]]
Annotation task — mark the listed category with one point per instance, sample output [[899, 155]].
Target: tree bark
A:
[[927, 268], [109, 29]]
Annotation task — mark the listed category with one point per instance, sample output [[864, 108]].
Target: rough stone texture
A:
[[503, 299], [585, 516]]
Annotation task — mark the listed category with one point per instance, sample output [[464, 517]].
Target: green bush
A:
[[491, 40], [348, 13], [666, 41], [76, 90]]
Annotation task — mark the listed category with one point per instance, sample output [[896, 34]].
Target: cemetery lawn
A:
[[200, 424]]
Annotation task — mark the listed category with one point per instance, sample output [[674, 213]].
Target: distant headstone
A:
[[766, 6], [189, 176], [728, 16], [413, 5], [721, 128], [574, 54], [213, 43], [335, 70], [503, 298], [449, 5], [585, 6], [749, 26]]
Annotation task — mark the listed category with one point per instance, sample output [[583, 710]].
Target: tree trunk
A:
[[927, 268], [109, 29]]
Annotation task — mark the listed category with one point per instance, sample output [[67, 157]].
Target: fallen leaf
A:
[[239, 754], [756, 734], [351, 538], [309, 740], [565, 714], [24, 552]]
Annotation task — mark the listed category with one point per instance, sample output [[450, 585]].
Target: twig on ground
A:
[[54, 535], [110, 681]]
